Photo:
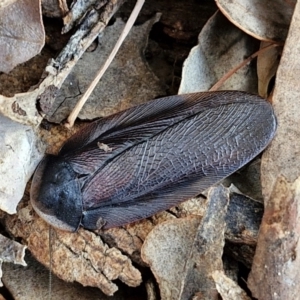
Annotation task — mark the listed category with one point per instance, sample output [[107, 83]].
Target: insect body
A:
[[148, 158]]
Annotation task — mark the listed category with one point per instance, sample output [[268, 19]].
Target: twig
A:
[[77, 10], [57, 70], [128, 26], [243, 63]]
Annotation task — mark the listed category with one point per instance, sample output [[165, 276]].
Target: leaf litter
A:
[[21, 224]]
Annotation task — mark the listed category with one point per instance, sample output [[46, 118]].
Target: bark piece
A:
[[242, 253], [151, 291], [206, 253], [77, 11], [227, 288], [275, 272], [264, 20], [130, 238], [81, 256], [221, 47], [54, 8], [35, 282], [11, 251], [182, 254], [243, 219]]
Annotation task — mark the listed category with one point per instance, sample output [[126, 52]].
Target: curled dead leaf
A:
[[262, 19], [221, 47]]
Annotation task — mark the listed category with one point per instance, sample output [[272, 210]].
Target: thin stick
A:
[[72, 117], [50, 263], [243, 63]]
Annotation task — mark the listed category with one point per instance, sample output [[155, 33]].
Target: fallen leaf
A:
[[267, 64], [276, 265], [166, 249], [5, 3], [282, 156], [264, 20], [22, 33], [221, 47], [20, 152]]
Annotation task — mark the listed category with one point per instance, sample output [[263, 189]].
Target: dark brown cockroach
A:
[[143, 160]]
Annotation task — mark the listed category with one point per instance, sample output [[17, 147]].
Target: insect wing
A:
[[162, 168]]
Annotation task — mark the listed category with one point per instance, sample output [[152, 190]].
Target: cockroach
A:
[[148, 158]]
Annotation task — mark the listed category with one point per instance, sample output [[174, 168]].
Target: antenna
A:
[[50, 263]]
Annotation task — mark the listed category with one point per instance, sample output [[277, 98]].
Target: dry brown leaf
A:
[[275, 271], [282, 156], [136, 83], [20, 152], [22, 33], [166, 250], [263, 19], [221, 47], [267, 64], [4, 3]]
